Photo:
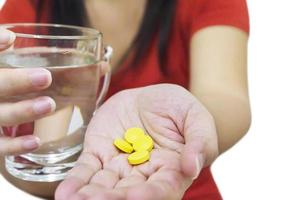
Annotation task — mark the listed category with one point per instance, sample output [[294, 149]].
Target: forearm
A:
[[219, 80], [231, 112]]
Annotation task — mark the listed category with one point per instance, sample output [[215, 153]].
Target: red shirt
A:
[[191, 16]]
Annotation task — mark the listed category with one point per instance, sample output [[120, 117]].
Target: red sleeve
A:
[[18, 11], [204, 13], [14, 11]]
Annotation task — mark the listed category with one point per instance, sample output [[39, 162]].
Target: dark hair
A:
[[157, 20]]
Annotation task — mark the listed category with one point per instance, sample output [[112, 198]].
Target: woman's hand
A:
[[185, 141], [15, 82]]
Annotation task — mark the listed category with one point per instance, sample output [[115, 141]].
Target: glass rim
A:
[[91, 33]]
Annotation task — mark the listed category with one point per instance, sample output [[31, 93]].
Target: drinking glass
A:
[[72, 54]]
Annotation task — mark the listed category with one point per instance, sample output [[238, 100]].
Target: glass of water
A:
[[72, 54]]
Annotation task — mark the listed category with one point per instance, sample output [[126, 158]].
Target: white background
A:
[[265, 164]]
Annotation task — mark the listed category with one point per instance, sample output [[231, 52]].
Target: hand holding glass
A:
[[72, 55]]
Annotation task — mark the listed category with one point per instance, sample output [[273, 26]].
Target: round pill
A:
[[133, 134], [123, 145], [138, 157], [143, 143]]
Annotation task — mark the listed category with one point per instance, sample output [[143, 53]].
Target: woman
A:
[[198, 45]]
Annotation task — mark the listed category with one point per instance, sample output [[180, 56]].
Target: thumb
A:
[[201, 143], [192, 160]]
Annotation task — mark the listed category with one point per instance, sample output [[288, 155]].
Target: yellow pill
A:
[[123, 145], [138, 157], [133, 134], [143, 143]]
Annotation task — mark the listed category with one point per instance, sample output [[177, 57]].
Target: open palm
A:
[[185, 140]]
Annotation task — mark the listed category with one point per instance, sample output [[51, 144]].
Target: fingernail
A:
[[199, 161], [31, 142], [43, 106], [6, 37], [39, 77]]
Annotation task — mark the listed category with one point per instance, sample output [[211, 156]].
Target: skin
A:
[[182, 145], [116, 17], [218, 90], [17, 82], [219, 80]]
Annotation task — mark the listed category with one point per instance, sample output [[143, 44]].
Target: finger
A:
[[19, 145], [163, 182], [25, 111], [21, 81], [96, 192], [160, 190], [105, 178], [173, 178], [201, 145], [6, 38], [86, 166]]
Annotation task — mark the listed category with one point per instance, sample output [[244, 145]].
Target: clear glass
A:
[[72, 55]]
